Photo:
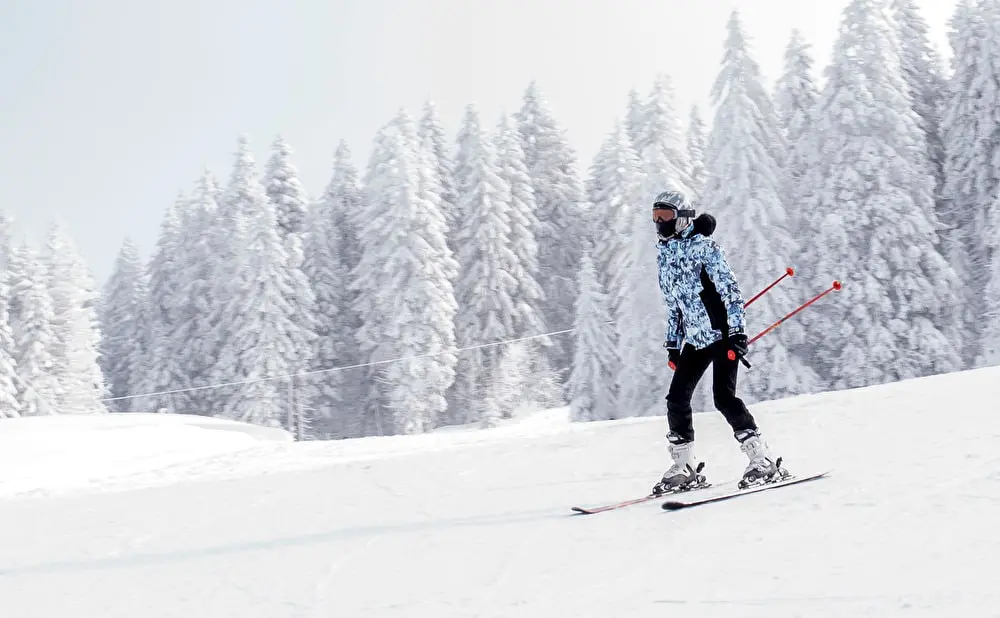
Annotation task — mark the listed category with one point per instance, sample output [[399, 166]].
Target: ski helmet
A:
[[672, 213]]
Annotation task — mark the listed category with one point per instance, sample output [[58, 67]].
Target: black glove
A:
[[738, 344], [673, 358]]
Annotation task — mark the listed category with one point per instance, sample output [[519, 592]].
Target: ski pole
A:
[[789, 272], [836, 286]]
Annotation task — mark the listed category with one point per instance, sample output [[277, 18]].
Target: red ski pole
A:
[[789, 272], [836, 286]]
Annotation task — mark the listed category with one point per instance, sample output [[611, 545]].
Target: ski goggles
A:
[[663, 213]]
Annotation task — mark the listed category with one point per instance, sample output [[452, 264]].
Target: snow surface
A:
[[477, 523]]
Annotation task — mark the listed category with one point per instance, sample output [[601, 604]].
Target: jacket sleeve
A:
[[722, 276], [674, 336], [675, 328]]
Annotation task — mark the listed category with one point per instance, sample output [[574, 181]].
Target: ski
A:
[[674, 505], [620, 505]]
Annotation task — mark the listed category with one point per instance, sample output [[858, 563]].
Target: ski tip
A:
[[579, 510], [673, 505]]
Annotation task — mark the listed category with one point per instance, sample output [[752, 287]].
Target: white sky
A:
[[111, 107]]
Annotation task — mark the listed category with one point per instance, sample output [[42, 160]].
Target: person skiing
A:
[[705, 321]]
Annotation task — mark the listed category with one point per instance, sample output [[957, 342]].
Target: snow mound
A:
[[58, 453]]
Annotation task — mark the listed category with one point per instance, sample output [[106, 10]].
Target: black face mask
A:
[[666, 229]]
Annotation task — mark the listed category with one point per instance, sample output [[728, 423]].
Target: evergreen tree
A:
[[432, 136], [271, 325], [6, 247], [403, 280], [285, 190], [195, 340], [31, 318], [795, 101], [76, 334], [614, 196], [168, 318], [228, 237], [870, 208], [330, 251], [988, 182], [511, 169], [595, 364], [123, 332], [635, 120], [925, 82], [696, 144], [642, 377], [10, 403], [662, 147], [969, 130], [745, 186], [486, 288], [291, 204], [561, 211]]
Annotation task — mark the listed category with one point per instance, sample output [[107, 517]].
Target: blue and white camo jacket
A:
[[704, 302]]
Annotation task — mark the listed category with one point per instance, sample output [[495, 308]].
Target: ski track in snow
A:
[[479, 524]]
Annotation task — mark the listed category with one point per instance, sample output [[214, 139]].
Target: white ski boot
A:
[[685, 474], [762, 469]]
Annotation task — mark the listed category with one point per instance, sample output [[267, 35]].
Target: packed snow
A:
[[478, 523]]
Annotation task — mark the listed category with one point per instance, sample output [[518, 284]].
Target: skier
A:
[[705, 315]]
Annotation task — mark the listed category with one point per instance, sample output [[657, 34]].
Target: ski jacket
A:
[[704, 303]]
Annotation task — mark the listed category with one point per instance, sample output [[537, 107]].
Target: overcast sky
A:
[[112, 107]]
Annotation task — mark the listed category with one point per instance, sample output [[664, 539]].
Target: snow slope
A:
[[50, 454], [478, 524]]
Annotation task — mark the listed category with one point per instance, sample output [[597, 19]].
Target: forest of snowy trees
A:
[[459, 279]]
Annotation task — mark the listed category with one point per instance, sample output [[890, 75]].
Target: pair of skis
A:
[[682, 503]]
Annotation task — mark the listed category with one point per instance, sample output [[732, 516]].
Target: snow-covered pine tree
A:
[[31, 318], [285, 190], [614, 194], [988, 181], [228, 239], [595, 364], [795, 96], [10, 404], [328, 262], [432, 136], [486, 288], [74, 326], [923, 74], [642, 317], [167, 319], [662, 147], [745, 188], [552, 164], [195, 339], [123, 331], [697, 142], [6, 246], [635, 120], [291, 204], [270, 326], [344, 199], [870, 200], [541, 384], [969, 129], [462, 171], [405, 296], [511, 169]]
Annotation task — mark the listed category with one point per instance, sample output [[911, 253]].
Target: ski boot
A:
[[762, 469], [685, 474]]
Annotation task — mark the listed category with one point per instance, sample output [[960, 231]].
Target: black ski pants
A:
[[690, 368]]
